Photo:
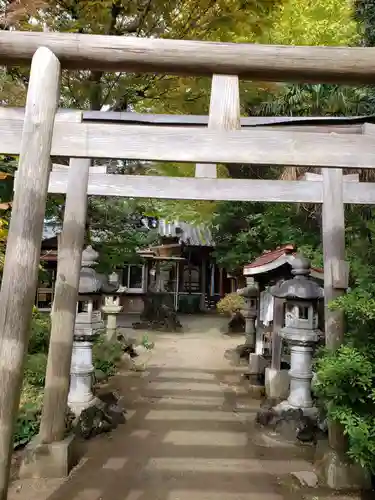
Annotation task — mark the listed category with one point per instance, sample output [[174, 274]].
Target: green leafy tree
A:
[[223, 20], [242, 231], [117, 232], [313, 22]]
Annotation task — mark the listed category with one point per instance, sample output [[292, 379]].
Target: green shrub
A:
[[40, 333], [30, 409], [345, 383], [231, 303], [28, 420], [106, 356], [35, 369]]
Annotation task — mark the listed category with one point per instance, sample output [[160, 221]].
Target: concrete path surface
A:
[[188, 435]]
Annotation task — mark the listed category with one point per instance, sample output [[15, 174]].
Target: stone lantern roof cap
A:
[[301, 286], [250, 291]]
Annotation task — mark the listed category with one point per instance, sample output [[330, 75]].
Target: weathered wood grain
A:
[[311, 176], [93, 140], [333, 222], [188, 188], [224, 114], [253, 61], [362, 193], [52, 427], [20, 274]]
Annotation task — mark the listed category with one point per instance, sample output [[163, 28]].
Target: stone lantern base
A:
[[290, 424], [309, 412]]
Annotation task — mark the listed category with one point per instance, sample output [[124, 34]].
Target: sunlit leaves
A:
[[313, 22]]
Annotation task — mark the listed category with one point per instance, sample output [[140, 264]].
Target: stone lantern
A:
[[87, 325], [111, 307], [250, 294], [300, 331]]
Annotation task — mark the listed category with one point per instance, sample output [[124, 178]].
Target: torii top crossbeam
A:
[[354, 65]]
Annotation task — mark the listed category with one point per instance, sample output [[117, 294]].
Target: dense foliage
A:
[[242, 231], [117, 232]]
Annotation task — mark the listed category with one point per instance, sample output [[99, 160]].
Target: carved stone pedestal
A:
[[88, 324], [82, 369], [301, 375]]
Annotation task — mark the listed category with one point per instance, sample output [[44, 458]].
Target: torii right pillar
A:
[[333, 465]]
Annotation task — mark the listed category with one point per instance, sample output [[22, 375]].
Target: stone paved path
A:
[[188, 435]]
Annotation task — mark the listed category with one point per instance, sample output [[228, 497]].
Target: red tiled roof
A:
[[271, 255]]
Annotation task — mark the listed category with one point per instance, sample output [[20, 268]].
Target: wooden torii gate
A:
[[41, 131]]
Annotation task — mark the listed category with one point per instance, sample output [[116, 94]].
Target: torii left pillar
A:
[[20, 274]]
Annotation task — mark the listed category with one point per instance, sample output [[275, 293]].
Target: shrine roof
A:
[[190, 234], [269, 256], [198, 235], [273, 259]]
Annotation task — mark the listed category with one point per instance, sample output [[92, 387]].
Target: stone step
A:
[[189, 375], [231, 465], [206, 438], [217, 495], [198, 415], [181, 386]]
